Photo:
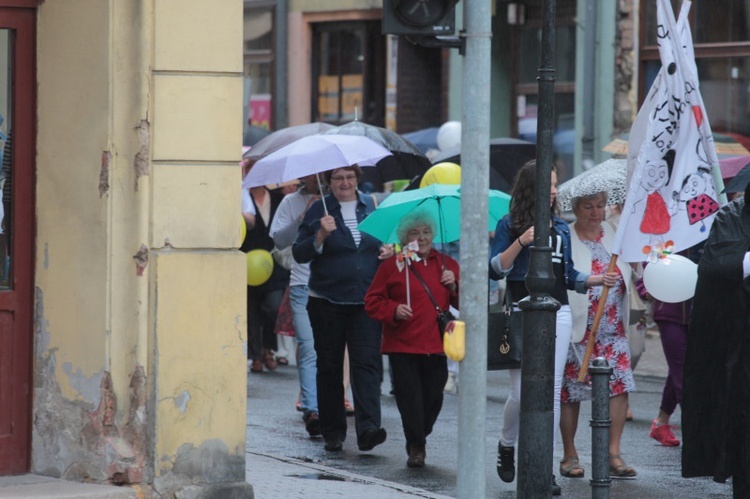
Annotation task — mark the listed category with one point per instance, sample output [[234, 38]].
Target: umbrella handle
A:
[[595, 326], [322, 196]]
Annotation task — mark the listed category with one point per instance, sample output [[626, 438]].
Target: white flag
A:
[[672, 199]]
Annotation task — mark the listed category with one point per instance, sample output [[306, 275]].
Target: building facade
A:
[[122, 300]]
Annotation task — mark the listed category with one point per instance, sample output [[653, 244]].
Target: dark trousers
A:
[[674, 342], [418, 382], [335, 327], [740, 487], [262, 311]]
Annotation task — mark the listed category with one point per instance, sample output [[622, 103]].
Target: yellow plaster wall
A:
[[72, 257], [197, 117], [198, 355], [196, 282], [198, 35], [161, 78], [193, 197]]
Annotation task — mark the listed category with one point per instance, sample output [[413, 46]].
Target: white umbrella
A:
[[609, 176], [314, 154]]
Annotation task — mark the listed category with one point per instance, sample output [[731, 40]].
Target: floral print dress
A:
[[611, 340]]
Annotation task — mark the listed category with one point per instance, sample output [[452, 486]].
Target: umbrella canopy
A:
[[425, 139], [740, 180], [382, 136], [443, 202], [253, 134], [283, 137], [507, 156], [723, 144], [314, 154], [731, 166], [406, 161], [609, 176]]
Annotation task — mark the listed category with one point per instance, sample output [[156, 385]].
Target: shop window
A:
[[348, 81], [526, 49], [258, 50]]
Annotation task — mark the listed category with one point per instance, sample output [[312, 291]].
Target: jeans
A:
[[511, 414], [306, 358], [335, 327]]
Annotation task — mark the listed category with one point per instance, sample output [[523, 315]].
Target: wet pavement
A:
[[284, 463]]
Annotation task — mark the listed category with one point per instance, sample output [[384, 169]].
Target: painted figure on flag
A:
[[672, 198]]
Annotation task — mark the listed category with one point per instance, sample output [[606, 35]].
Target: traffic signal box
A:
[[419, 17]]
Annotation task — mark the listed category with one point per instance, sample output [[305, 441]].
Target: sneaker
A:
[[662, 433], [506, 464], [312, 423]]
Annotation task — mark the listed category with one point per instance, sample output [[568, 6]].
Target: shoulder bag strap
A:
[[424, 284]]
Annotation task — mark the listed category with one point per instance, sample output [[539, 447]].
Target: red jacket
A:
[[420, 334]]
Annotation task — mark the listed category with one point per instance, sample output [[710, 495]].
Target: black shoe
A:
[[556, 490], [417, 455], [370, 438], [312, 423], [333, 444], [506, 464]]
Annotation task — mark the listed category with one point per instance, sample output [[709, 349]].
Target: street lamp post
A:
[[537, 371]]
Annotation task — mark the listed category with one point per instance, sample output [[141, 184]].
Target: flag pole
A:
[[595, 327]]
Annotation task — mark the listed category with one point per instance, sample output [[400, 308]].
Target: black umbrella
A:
[[740, 181], [253, 134], [386, 138], [283, 137], [407, 161], [507, 156]]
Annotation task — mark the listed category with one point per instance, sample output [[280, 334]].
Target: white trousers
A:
[[511, 414]]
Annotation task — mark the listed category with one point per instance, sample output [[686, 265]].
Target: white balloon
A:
[[672, 279], [449, 135]]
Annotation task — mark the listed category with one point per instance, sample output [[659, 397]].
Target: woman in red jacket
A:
[[411, 336]]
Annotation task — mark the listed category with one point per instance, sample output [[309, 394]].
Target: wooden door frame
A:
[[20, 16]]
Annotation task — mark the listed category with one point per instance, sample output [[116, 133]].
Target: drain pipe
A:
[[589, 85], [280, 98]]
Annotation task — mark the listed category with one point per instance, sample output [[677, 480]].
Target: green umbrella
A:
[[443, 202]]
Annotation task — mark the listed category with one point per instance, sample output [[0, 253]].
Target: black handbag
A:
[[504, 336], [443, 316]]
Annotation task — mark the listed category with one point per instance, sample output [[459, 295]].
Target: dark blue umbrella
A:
[[424, 139]]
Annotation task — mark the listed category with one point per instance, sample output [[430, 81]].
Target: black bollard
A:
[[600, 424]]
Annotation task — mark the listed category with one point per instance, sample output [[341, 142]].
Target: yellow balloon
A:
[[243, 230], [259, 267], [442, 173]]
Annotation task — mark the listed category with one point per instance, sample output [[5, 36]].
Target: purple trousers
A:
[[673, 341]]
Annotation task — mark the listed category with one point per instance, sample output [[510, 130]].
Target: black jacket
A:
[[716, 382]]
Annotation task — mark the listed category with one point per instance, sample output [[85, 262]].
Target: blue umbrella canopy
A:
[[441, 201]]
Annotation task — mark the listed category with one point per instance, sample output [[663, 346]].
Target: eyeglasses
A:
[[341, 178]]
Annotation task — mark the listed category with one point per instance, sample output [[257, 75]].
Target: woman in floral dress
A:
[[591, 236]]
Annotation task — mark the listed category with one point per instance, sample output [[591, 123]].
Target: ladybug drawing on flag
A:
[[696, 197]]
